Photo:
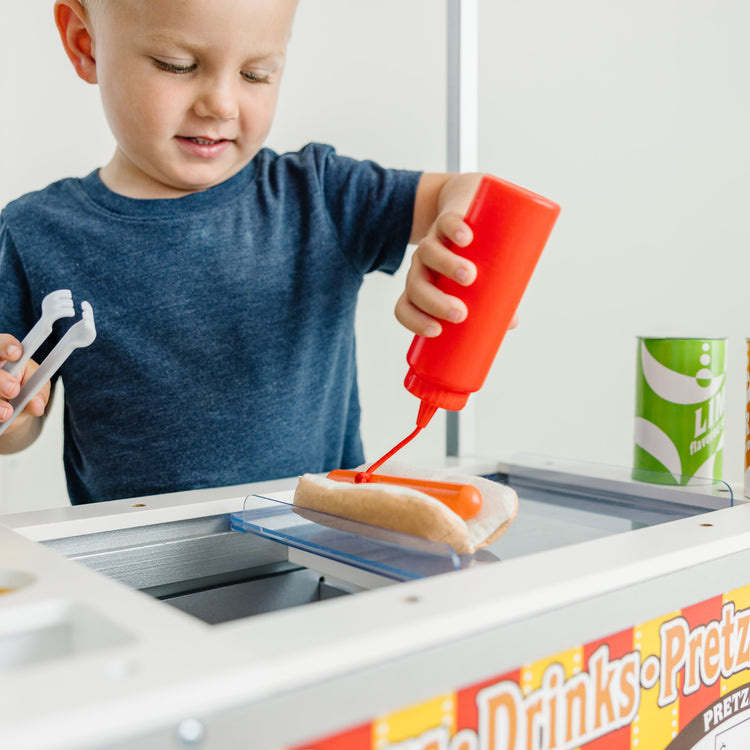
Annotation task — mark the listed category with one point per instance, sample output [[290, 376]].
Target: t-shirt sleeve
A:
[[16, 313], [370, 207]]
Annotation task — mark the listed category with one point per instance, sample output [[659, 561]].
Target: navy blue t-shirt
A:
[[225, 349]]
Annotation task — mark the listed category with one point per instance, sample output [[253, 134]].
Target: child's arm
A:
[[442, 201], [27, 426]]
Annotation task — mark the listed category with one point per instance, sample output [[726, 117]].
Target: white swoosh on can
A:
[[657, 443], [674, 386], [703, 472]]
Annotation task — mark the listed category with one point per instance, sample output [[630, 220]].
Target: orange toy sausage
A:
[[463, 499]]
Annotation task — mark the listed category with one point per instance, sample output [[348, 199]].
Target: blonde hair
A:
[[92, 7]]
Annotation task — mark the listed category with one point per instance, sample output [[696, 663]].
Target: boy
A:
[[223, 277]]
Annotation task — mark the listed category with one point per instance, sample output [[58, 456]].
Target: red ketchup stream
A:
[[463, 499]]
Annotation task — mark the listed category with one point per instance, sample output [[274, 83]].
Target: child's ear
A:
[[74, 26]]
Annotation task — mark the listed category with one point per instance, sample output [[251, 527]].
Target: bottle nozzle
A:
[[426, 413]]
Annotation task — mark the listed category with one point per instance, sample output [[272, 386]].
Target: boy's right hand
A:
[[10, 385]]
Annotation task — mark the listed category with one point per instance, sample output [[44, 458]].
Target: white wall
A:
[[633, 116]]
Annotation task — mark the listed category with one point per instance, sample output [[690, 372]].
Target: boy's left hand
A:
[[441, 204], [422, 305]]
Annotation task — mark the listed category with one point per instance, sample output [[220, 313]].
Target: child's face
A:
[[189, 88]]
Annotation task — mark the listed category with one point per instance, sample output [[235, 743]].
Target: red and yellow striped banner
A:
[[677, 682]]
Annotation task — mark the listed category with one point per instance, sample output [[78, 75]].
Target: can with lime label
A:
[[679, 410]]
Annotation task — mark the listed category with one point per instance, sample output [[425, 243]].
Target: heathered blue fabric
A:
[[225, 351]]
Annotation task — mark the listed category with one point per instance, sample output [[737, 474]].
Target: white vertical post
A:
[[462, 91]]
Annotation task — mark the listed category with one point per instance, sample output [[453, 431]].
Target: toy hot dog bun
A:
[[413, 512]]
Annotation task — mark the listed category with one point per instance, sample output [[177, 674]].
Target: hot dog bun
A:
[[413, 512]]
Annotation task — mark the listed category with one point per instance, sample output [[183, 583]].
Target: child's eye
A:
[[253, 77], [173, 67]]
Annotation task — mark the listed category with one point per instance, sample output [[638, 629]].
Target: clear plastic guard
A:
[[705, 493], [703, 485], [391, 554], [564, 502], [561, 502]]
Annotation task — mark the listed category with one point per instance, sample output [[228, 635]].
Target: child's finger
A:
[[431, 301], [38, 404], [10, 351], [9, 388], [433, 254], [452, 227], [421, 292], [10, 348], [414, 320]]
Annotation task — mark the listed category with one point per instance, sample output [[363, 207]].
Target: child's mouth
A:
[[202, 146], [206, 141]]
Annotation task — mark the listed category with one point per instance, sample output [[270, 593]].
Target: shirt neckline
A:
[[203, 200]]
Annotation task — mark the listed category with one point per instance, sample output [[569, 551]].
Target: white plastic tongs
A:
[[55, 305]]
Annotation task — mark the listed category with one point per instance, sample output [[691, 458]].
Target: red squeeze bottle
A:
[[511, 226]]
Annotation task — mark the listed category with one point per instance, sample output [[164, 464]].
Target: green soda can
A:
[[679, 410]]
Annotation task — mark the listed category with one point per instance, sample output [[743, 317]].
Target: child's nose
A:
[[218, 101]]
